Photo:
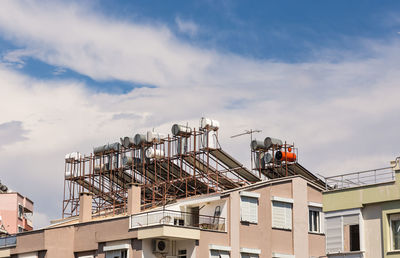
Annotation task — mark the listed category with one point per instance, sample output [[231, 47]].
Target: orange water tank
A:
[[285, 156]]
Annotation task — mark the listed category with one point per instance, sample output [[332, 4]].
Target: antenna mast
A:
[[251, 131]]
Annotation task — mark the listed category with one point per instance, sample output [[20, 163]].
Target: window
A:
[[343, 233], [219, 254], [20, 211], [20, 229], [249, 207], [117, 254], [395, 231], [182, 253], [281, 215], [314, 220]]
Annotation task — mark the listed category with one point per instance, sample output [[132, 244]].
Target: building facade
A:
[[362, 214], [15, 213], [275, 218]]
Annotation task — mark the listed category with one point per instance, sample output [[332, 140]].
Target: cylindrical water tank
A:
[[154, 153], [73, 156], [181, 130], [127, 142], [139, 139], [257, 145], [259, 160], [285, 156], [267, 157], [3, 188], [113, 146], [154, 136], [210, 124], [269, 142], [100, 149]]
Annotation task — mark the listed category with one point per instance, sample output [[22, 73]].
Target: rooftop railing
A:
[[8, 241], [177, 218], [361, 178]]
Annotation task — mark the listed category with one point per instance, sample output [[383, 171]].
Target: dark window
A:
[[354, 238], [182, 253]]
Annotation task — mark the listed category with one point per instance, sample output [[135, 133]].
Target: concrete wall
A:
[[372, 216]]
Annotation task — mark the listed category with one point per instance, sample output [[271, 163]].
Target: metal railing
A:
[[361, 178], [8, 241], [177, 218]]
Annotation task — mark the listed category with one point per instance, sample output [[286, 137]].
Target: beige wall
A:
[[59, 242], [30, 242], [372, 215]]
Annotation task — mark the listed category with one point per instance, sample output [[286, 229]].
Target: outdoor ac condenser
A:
[[160, 246]]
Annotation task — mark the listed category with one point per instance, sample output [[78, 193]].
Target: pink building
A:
[[15, 213]]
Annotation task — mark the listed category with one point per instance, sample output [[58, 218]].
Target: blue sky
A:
[[74, 75], [281, 31]]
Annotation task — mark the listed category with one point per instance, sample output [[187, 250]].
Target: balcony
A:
[[169, 223], [177, 218], [8, 241]]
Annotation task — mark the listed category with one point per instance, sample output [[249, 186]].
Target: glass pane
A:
[[316, 221], [396, 234]]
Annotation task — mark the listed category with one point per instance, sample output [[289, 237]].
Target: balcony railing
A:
[[8, 241], [368, 177], [177, 218]]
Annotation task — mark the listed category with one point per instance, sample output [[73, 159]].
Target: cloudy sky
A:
[[324, 75]]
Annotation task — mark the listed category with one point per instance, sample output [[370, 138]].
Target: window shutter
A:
[[334, 234], [350, 220], [249, 209], [282, 215]]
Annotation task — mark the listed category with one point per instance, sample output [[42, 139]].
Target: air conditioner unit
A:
[[160, 246]]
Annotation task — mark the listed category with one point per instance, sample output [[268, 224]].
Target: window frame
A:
[[320, 229], [393, 217], [344, 219]]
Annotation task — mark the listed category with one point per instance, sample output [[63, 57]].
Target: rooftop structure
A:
[[167, 167]]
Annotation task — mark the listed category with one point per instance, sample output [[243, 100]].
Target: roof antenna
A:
[[251, 131]]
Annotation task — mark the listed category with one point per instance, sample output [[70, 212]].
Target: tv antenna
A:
[[251, 131]]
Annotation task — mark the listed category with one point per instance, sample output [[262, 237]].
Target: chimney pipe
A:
[[85, 209]]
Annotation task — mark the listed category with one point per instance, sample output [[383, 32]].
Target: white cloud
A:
[[341, 115], [187, 27]]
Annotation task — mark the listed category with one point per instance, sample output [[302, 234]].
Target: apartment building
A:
[[15, 213], [276, 218], [362, 213]]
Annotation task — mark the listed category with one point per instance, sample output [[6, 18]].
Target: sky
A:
[[77, 74]]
